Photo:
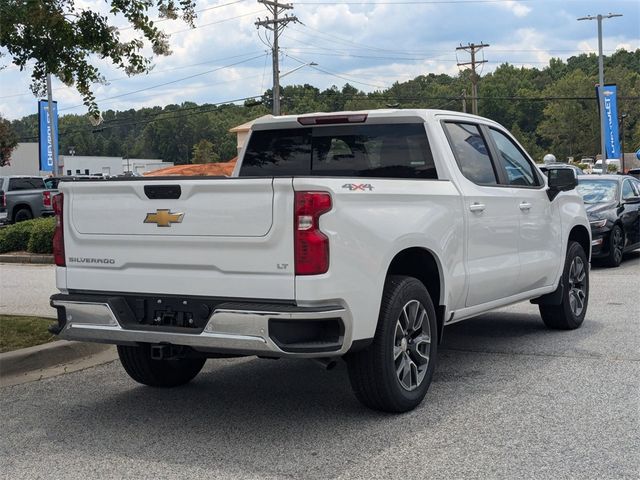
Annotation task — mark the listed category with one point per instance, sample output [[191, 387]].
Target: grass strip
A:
[[21, 332]]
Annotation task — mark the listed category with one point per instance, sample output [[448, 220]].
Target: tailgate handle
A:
[[162, 192]]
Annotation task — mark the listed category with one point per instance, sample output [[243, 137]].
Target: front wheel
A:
[[616, 247], [170, 372], [570, 314], [393, 374]]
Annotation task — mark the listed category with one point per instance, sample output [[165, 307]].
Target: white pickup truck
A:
[[354, 235]]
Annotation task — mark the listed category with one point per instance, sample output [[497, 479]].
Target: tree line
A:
[[550, 110]]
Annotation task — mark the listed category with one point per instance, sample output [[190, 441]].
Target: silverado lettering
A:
[[91, 260]]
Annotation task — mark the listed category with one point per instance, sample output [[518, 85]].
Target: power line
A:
[[337, 75], [414, 2], [152, 72], [188, 111], [215, 23], [168, 83], [160, 20]]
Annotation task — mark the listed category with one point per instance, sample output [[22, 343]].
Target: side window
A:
[[627, 190], [471, 153], [33, 183], [519, 170]]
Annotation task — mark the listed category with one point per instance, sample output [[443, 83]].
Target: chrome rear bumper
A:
[[232, 331]]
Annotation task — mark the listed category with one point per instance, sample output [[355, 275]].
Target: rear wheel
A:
[[393, 374], [616, 247], [170, 372], [570, 313], [22, 215]]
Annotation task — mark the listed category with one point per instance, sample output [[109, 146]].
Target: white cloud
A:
[[517, 8], [376, 44]]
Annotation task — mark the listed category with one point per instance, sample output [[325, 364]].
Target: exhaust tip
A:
[[325, 363]]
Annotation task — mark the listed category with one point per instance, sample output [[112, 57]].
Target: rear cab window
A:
[[471, 152], [377, 150]]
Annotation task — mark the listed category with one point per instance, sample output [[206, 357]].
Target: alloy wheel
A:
[[411, 346], [577, 286], [617, 244]]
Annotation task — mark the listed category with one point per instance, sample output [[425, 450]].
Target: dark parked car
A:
[[634, 172], [613, 206]]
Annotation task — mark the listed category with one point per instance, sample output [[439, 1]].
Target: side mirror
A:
[[631, 200], [560, 180]]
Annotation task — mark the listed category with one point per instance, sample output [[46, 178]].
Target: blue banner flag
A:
[[611, 135], [46, 124]]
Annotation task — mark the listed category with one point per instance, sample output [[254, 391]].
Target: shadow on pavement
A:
[[270, 416]]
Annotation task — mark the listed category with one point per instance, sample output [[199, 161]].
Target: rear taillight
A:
[[311, 245], [46, 199], [58, 234]]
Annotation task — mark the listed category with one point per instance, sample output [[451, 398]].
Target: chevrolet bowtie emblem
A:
[[164, 218]]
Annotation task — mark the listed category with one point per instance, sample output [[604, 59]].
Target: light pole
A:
[[622, 117], [603, 147], [309, 64]]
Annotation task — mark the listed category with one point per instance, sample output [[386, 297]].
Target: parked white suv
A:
[[354, 235]]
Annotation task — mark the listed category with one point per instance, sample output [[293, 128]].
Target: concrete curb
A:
[[36, 258], [60, 356]]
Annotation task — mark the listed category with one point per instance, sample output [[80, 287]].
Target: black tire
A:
[[566, 315], [143, 369], [22, 215], [373, 372], [616, 247]]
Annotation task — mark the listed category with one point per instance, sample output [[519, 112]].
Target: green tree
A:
[[204, 152], [571, 126], [8, 141], [60, 38]]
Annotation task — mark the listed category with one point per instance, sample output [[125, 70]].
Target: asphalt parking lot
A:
[[510, 399]]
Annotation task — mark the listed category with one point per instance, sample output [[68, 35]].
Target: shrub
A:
[[42, 236], [16, 238]]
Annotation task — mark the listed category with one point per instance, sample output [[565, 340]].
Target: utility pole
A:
[[472, 49], [464, 101], [276, 25], [54, 153], [603, 141]]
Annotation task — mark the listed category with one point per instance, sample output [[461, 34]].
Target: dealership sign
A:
[[611, 135], [46, 125]]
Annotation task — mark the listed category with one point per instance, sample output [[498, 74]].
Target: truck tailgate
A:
[[211, 237]]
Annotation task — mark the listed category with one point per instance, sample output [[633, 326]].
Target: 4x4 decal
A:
[[358, 186]]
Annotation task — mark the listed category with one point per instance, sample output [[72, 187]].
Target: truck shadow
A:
[[281, 417]]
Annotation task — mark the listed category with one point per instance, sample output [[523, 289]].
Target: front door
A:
[[540, 233]]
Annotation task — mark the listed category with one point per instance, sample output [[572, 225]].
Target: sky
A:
[[368, 44]]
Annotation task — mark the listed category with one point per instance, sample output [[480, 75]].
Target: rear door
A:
[[492, 217], [210, 237]]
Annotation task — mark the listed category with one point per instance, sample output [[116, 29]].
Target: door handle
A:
[[476, 207], [525, 206]]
